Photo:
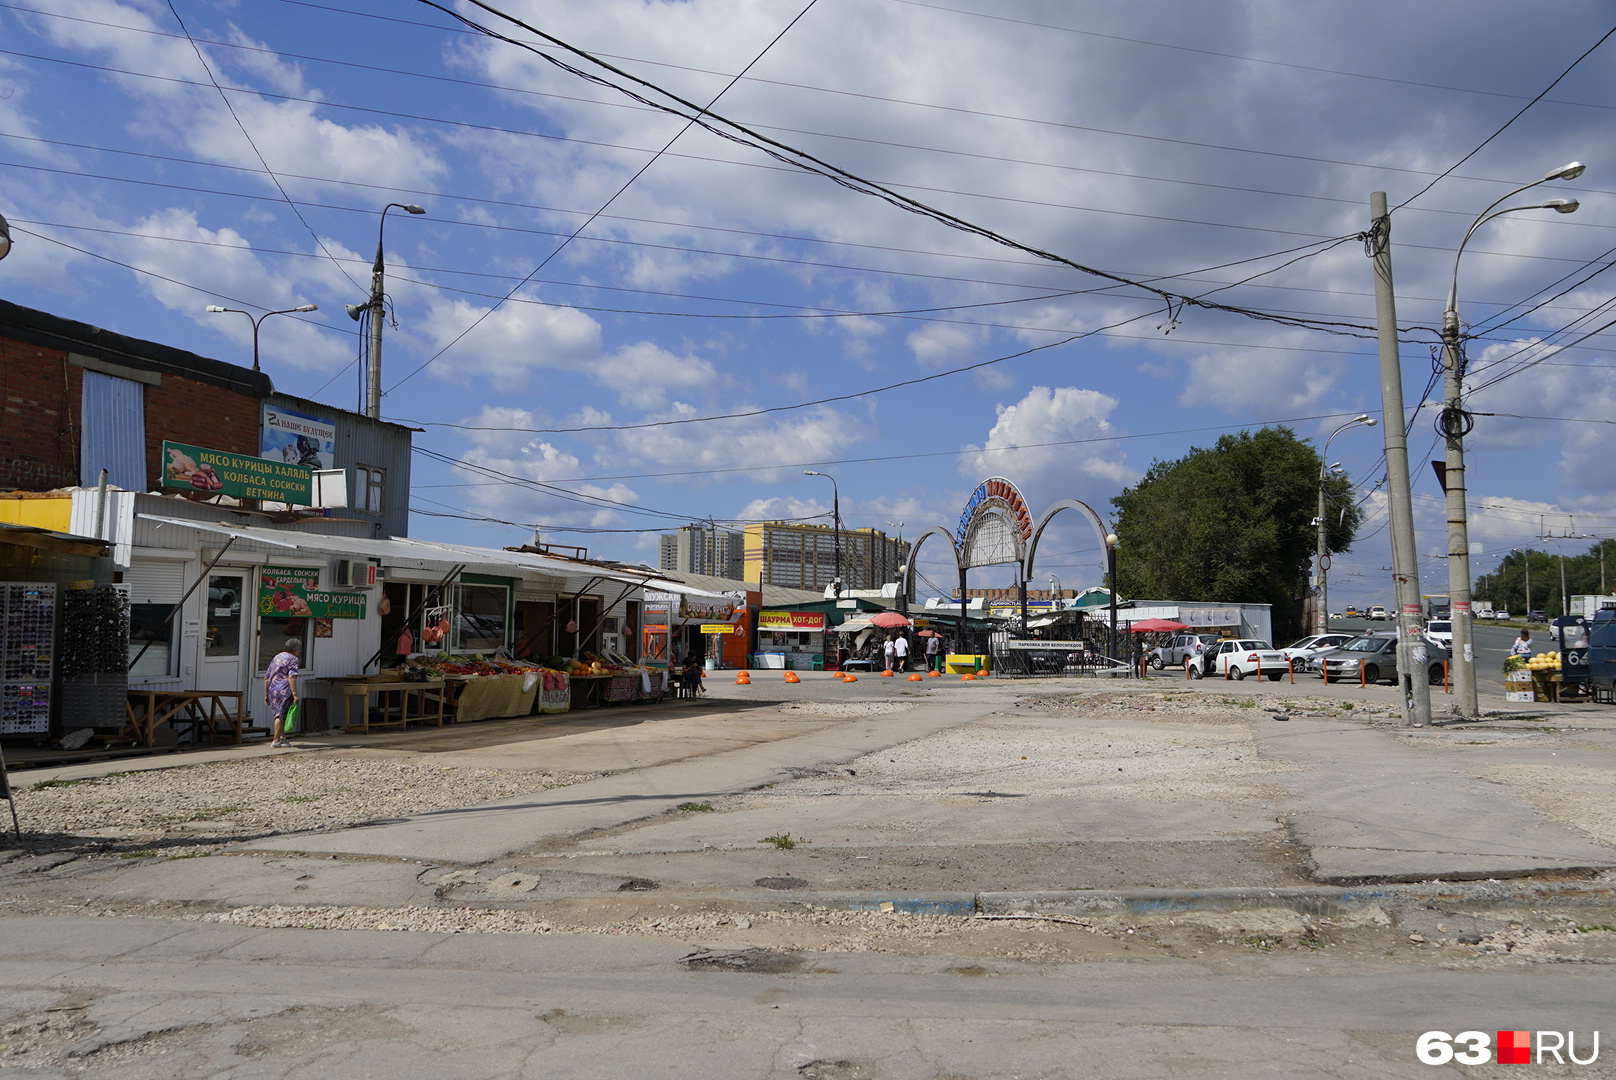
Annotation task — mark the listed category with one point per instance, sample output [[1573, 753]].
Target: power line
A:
[[478, 321], [1479, 146], [208, 69]]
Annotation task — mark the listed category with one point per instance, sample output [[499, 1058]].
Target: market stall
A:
[[791, 639]]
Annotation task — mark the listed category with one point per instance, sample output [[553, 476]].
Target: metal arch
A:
[[914, 549], [1043, 523]]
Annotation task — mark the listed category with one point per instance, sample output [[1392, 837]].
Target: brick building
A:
[[79, 399]]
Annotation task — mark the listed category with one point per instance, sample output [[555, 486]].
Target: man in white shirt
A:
[[900, 650]]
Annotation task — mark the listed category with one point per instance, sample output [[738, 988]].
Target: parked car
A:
[[1238, 659], [1537, 616], [1440, 631], [1302, 653], [1500, 614], [1373, 658], [1377, 614], [1179, 648]]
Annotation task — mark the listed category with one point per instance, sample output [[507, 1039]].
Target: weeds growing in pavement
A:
[[44, 785], [695, 807], [783, 841]]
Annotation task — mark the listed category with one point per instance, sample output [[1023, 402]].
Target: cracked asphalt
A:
[[668, 894]]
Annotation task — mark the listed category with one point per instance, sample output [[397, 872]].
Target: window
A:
[[370, 485], [151, 638], [480, 616], [273, 634]]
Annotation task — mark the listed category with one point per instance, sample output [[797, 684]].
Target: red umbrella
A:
[[1147, 625], [927, 633], [888, 619]]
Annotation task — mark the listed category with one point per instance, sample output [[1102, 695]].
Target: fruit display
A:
[[1545, 662]]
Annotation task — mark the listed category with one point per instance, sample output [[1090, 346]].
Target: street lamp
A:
[[1453, 424], [903, 576], [836, 523], [377, 306], [1321, 623], [258, 320], [5, 237]]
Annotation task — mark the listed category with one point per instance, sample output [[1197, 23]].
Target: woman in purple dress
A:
[[280, 686]]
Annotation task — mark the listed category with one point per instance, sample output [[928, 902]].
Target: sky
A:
[[610, 320]]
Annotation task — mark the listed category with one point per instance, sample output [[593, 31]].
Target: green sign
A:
[[289, 592], [242, 476]]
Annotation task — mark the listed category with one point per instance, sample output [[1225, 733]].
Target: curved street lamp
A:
[[259, 319], [377, 306], [1453, 424], [1321, 623], [5, 237], [836, 523]]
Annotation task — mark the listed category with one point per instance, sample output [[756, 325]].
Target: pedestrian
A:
[[889, 652], [900, 651], [934, 653], [280, 687], [1522, 645]]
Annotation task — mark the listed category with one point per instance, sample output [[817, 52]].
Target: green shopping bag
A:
[[289, 724]]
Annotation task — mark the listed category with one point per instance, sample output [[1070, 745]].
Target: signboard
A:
[[791, 620], [291, 591], [718, 628], [296, 439], [708, 607], [242, 476], [1032, 646]]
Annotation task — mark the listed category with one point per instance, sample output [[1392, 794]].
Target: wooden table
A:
[[203, 710], [482, 697], [588, 691], [400, 703]]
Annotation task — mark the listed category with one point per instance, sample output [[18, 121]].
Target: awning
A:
[[416, 554], [854, 625]]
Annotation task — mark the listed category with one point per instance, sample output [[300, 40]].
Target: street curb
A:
[[1306, 899]]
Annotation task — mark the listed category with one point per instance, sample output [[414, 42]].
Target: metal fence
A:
[[1092, 655]]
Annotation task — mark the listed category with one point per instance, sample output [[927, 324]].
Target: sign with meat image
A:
[[241, 476], [292, 591]]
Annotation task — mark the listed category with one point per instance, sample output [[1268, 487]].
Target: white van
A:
[[1377, 613]]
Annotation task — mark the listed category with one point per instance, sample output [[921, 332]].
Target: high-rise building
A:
[[702, 549], [799, 556]]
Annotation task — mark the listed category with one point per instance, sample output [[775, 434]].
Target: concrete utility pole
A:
[[1411, 651], [1454, 424], [377, 306]]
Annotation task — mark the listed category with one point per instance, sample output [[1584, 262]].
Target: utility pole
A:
[[1411, 651]]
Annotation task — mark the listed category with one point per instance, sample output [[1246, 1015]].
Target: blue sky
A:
[[1190, 145]]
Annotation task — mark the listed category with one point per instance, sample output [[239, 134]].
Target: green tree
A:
[[1527, 578], [1232, 523]]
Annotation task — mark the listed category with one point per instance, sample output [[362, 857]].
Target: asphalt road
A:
[[1492, 645]]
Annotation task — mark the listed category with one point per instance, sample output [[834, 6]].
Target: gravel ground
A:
[[1143, 701], [204, 805]]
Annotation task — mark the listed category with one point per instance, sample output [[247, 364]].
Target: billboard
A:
[[298, 439]]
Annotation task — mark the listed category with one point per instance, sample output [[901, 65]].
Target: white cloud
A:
[[1016, 447], [529, 457], [511, 344], [645, 375]]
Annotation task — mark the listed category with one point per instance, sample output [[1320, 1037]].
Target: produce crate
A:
[[551, 702]]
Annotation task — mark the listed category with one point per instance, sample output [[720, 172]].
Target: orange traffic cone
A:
[[850, 678], [915, 676], [791, 676], [967, 677], [742, 679], [887, 674], [935, 674]]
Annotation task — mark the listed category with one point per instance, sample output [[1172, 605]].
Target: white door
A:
[[227, 632]]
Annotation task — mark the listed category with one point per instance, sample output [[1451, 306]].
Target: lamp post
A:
[[1111, 587], [836, 524], [377, 306], [1565, 601], [1321, 624], [259, 319], [1453, 424], [5, 237], [903, 577]]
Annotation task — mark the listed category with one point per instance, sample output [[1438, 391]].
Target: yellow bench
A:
[[965, 663]]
